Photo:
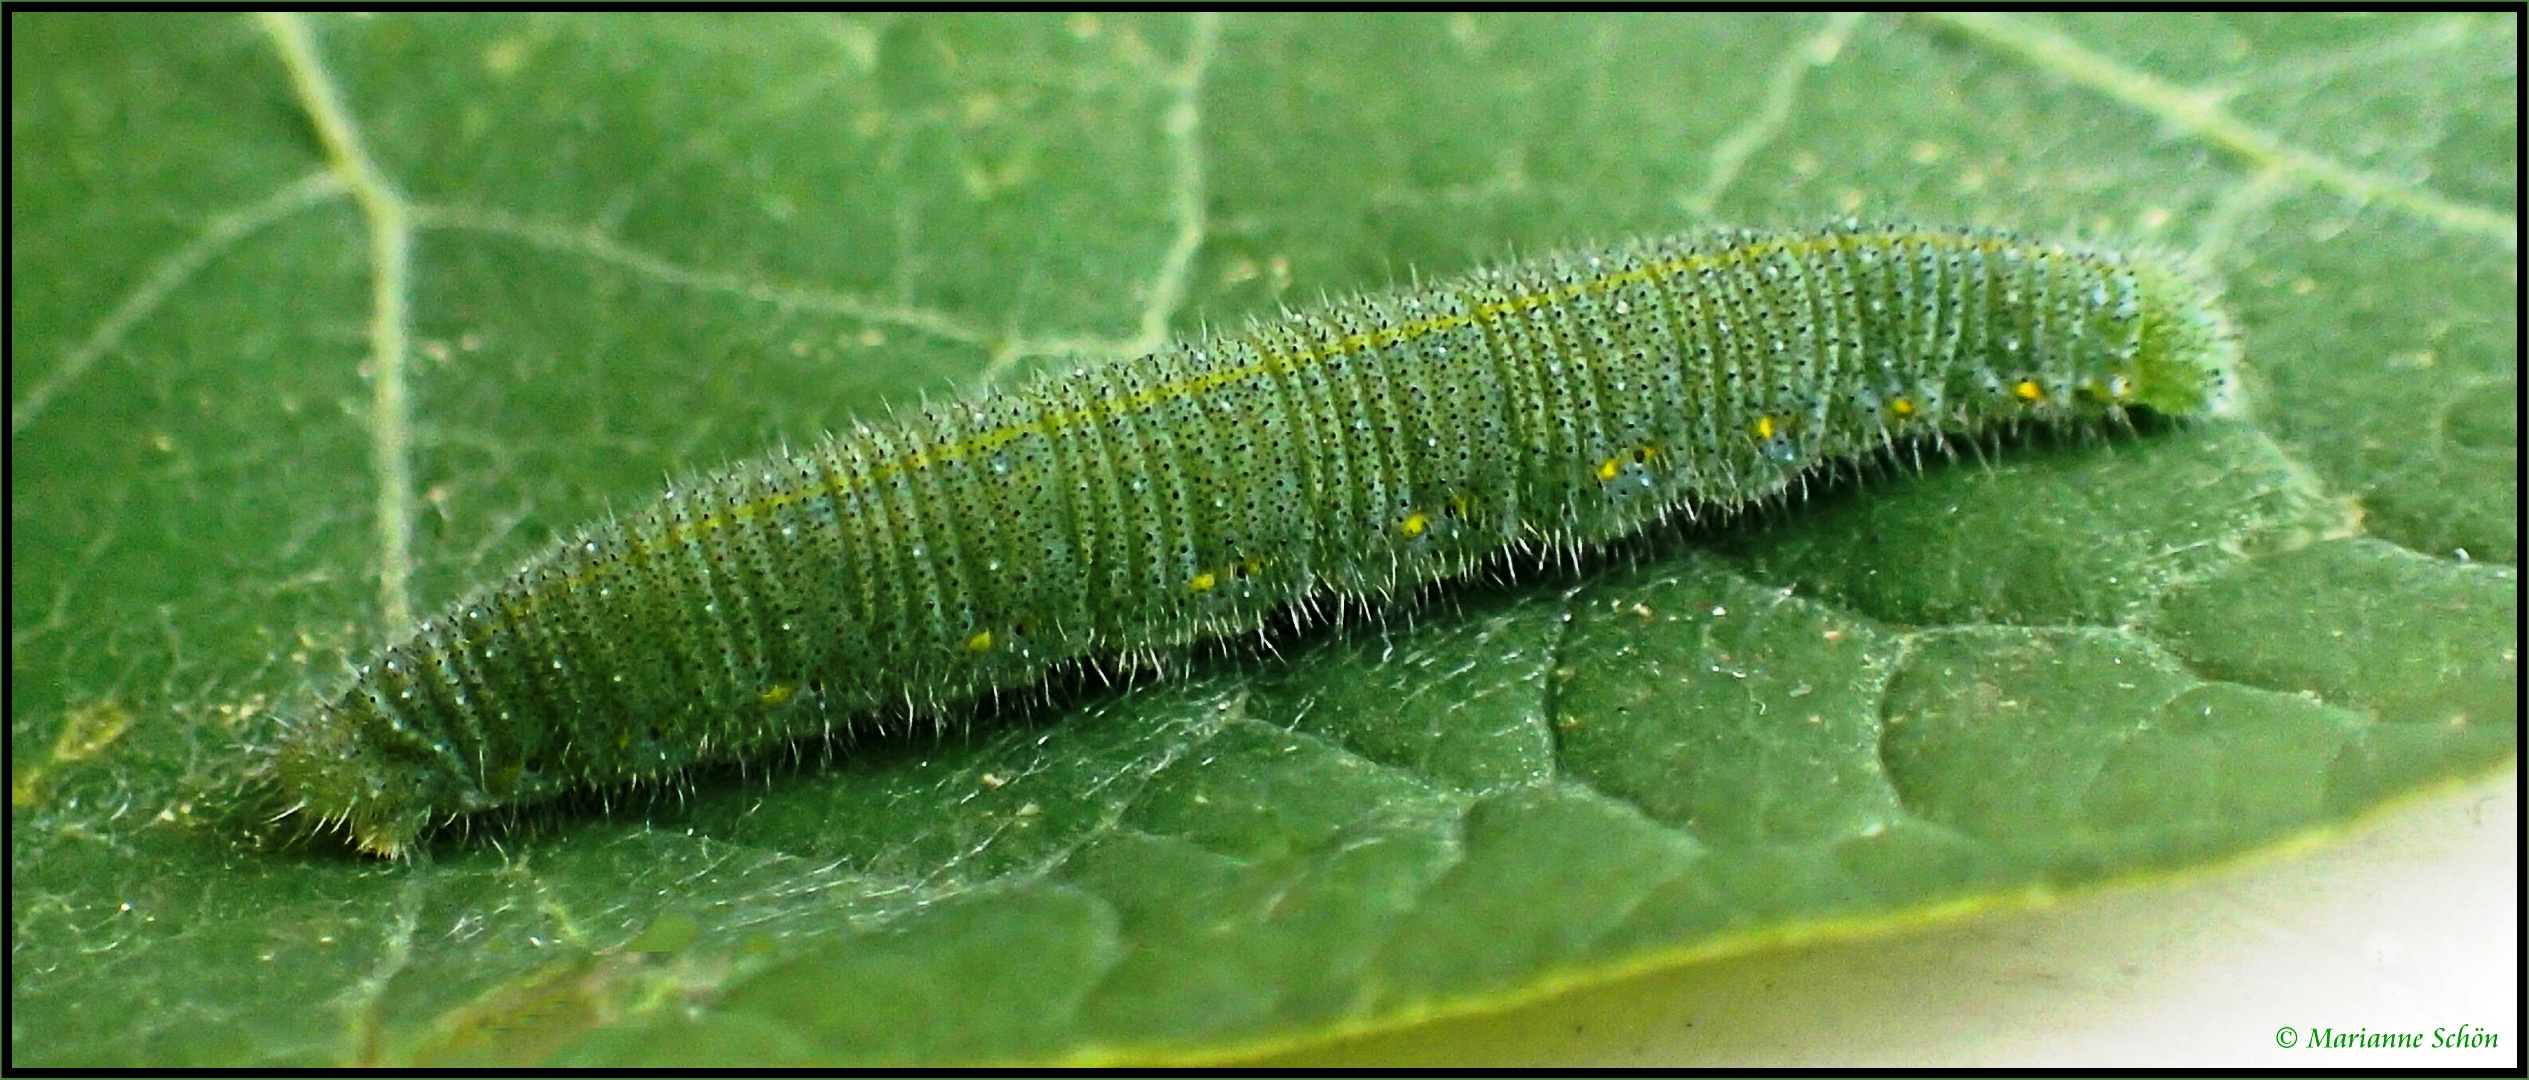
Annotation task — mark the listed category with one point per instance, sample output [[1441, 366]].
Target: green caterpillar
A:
[[1354, 454]]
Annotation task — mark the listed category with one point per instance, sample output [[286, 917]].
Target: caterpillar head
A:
[[335, 775], [2187, 359]]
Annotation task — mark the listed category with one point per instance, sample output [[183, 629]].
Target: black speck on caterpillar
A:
[[1359, 451]]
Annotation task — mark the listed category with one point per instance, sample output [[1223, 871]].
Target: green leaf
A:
[[317, 320]]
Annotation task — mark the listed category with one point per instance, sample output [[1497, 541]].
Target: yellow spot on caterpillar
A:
[[1903, 407], [1415, 523], [1203, 582], [981, 642], [2028, 390], [1609, 469], [1764, 427], [777, 694]]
